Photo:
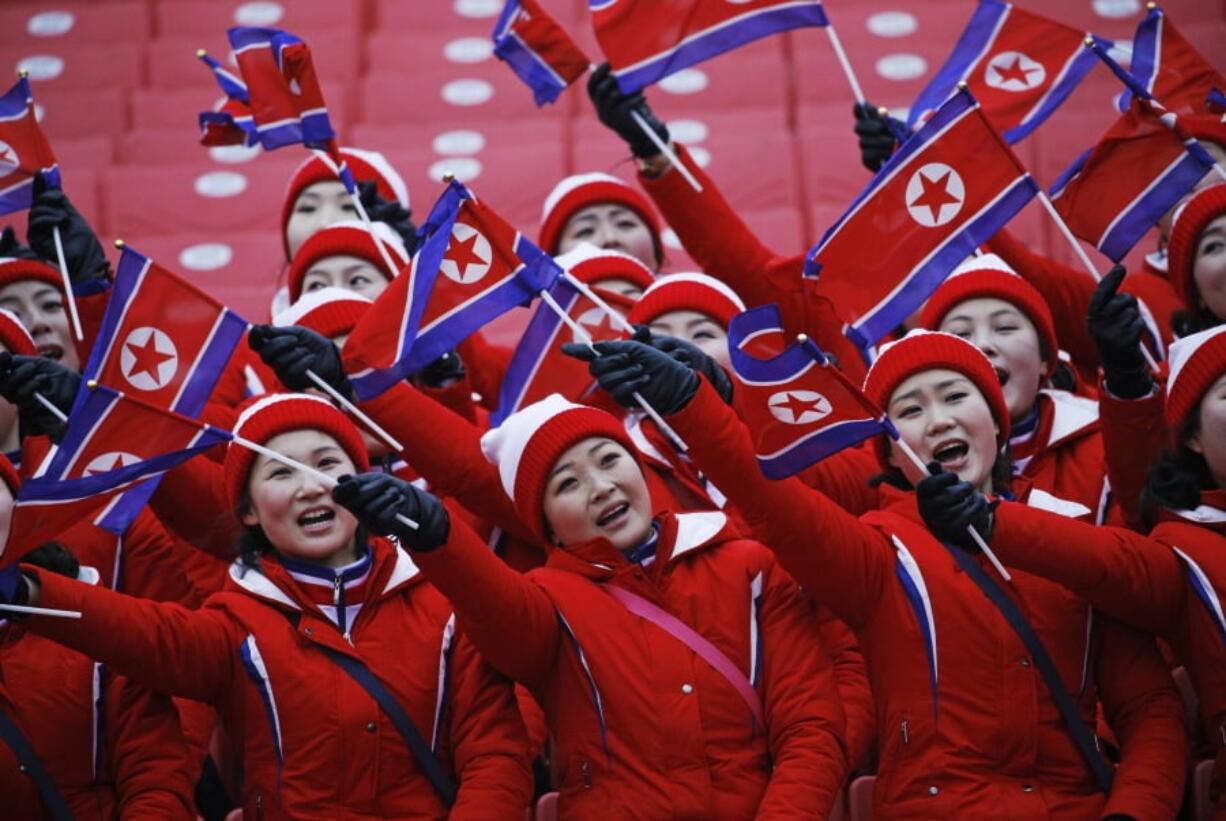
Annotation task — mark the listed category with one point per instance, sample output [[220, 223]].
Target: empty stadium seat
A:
[[306, 18], [860, 798], [119, 24]]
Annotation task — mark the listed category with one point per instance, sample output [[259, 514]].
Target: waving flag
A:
[[472, 267], [538, 366], [24, 151], [948, 188], [1139, 170], [798, 405], [647, 40], [1166, 65], [537, 49], [1020, 66], [231, 123], [112, 442]]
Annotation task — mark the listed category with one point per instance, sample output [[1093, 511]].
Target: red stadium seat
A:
[[99, 112], [174, 65], [451, 96], [84, 153], [158, 108], [302, 17], [118, 24], [56, 66], [462, 16], [860, 798]]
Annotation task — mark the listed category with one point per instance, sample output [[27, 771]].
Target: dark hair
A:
[[54, 558], [1175, 480], [1185, 322], [1002, 474]]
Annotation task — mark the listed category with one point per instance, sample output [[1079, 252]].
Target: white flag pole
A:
[[848, 72]]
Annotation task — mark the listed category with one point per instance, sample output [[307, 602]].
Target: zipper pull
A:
[[336, 590], [906, 737], [587, 777]]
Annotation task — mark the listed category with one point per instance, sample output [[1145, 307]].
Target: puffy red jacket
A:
[[1067, 471], [966, 726], [1171, 583], [642, 727], [315, 744]]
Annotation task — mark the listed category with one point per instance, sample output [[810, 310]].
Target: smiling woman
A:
[[33, 292]]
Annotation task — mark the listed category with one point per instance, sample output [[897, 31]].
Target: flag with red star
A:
[[798, 405], [538, 367], [949, 188], [1139, 170], [1020, 66], [231, 123], [470, 268], [537, 49], [1170, 69], [112, 446], [24, 151]]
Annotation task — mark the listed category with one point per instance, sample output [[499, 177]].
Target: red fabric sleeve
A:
[[844, 477], [148, 754], [187, 501], [1133, 433], [486, 364], [851, 677], [154, 563]]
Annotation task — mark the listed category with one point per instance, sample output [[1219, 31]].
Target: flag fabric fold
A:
[[537, 49], [1169, 68], [231, 123], [24, 150]]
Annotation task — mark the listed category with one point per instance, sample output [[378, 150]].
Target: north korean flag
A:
[[948, 188], [1020, 66], [799, 407], [1166, 65], [647, 40], [231, 123], [537, 49], [1140, 169], [283, 89], [24, 151]]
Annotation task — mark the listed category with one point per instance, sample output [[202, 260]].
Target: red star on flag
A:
[[462, 254], [5, 157], [147, 359], [97, 469], [797, 406], [935, 196], [1014, 72]]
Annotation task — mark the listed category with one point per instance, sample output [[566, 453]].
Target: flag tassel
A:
[[341, 400], [69, 297]]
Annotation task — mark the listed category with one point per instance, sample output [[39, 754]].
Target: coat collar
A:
[[1210, 513], [270, 582], [1071, 415], [1042, 500], [680, 534]]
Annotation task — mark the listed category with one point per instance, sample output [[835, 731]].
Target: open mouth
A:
[[51, 351], [613, 515], [1003, 376], [951, 452], [317, 519]]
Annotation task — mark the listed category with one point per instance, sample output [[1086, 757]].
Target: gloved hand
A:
[[291, 351], [24, 378], [442, 372], [1115, 324], [949, 505], [13, 587], [614, 108], [83, 252], [623, 367], [689, 354], [391, 212], [376, 498], [10, 246], [876, 139]]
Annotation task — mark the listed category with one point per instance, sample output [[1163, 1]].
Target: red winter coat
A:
[[1134, 436], [1067, 473], [966, 727], [65, 704], [315, 744], [642, 727], [1171, 583]]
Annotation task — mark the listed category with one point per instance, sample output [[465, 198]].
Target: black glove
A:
[[376, 498], [391, 212], [291, 351], [24, 378], [689, 354], [83, 252], [13, 587], [11, 248], [442, 372], [876, 139], [56, 558], [614, 109], [623, 367], [1116, 326], [950, 505]]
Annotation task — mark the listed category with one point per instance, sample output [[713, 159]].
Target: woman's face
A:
[[1210, 439], [623, 287], [597, 490], [295, 508], [1009, 340], [1209, 267], [698, 329], [943, 417], [613, 226], [41, 309], [350, 273], [318, 206]]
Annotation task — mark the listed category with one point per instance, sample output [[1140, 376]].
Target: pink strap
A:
[[688, 636]]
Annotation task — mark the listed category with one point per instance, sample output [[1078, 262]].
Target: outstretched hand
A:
[[378, 499], [615, 109], [291, 351], [1115, 324], [626, 367], [950, 506]]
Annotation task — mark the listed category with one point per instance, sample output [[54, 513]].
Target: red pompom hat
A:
[[14, 336], [687, 292], [991, 276], [590, 265], [528, 443], [263, 417], [344, 239], [1196, 362], [581, 190], [1190, 220], [14, 270], [921, 351], [329, 312]]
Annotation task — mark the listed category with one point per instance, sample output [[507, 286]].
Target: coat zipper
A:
[[338, 601], [906, 736], [587, 776]]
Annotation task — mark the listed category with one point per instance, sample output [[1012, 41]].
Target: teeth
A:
[[950, 452], [612, 513], [315, 518]]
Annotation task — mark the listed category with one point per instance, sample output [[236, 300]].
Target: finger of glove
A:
[[579, 351], [933, 486], [871, 128], [369, 486], [614, 379], [624, 393], [345, 492], [292, 368], [607, 364], [261, 335], [1107, 288], [642, 333], [383, 506], [280, 347]]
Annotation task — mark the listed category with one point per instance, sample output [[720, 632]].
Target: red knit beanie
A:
[[14, 270], [14, 336], [529, 442], [10, 477], [1190, 221], [366, 166], [581, 190], [263, 417], [921, 351], [687, 292], [329, 312], [344, 239], [590, 265], [991, 276], [1196, 362]]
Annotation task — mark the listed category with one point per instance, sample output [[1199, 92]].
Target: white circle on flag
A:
[[206, 256], [901, 67], [1013, 71], [469, 49], [670, 239], [700, 155], [8, 158], [935, 194], [106, 462], [233, 154], [591, 320], [218, 184], [460, 141], [50, 23], [41, 66], [1116, 8], [467, 92], [477, 8], [685, 81], [892, 23], [259, 14], [688, 131], [465, 169], [798, 407], [148, 358], [468, 255]]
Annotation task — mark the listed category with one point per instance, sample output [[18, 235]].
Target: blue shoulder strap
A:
[[33, 767]]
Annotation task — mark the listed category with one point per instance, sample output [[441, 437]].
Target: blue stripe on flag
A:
[[817, 446], [1069, 174], [535, 343], [545, 83], [974, 43], [1143, 65], [1066, 83]]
